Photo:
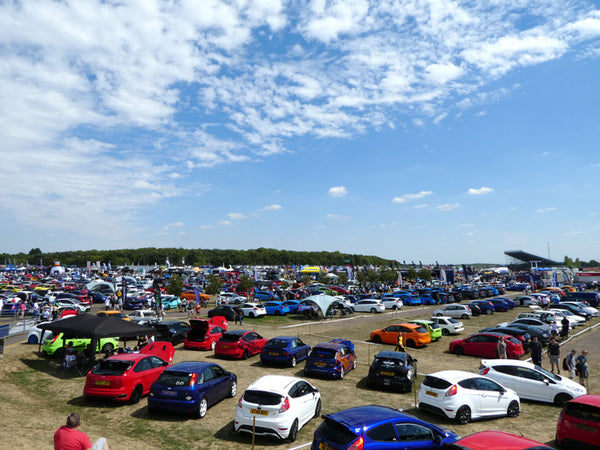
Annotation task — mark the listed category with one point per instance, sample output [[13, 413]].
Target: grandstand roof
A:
[[520, 257]]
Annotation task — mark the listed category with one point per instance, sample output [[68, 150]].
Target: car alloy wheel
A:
[[202, 408], [341, 373], [318, 408], [293, 431], [233, 389], [463, 415], [513, 409], [293, 361], [136, 395]]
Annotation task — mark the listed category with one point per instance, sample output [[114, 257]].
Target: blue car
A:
[[499, 305], [276, 308], [427, 299], [334, 358], [292, 305], [411, 300], [264, 296], [486, 306], [378, 427], [509, 301], [171, 301], [284, 350], [190, 387]]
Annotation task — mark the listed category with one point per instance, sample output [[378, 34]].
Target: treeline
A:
[[196, 257]]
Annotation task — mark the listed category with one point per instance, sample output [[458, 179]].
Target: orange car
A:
[[413, 335], [191, 295]]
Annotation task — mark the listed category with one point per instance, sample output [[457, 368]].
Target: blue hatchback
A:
[[378, 427], [284, 350], [191, 387], [276, 308]]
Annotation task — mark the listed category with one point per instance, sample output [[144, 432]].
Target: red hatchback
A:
[[579, 422], [204, 334], [128, 376], [486, 344], [495, 440], [239, 344]]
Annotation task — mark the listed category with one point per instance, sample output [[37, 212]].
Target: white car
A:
[[371, 305], [587, 308], [231, 298], [72, 303], [253, 310], [279, 405], [464, 396], [456, 311], [143, 316], [574, 319], [448, 325], [392, 303], [525, 300], [33, 337], [531, 381]]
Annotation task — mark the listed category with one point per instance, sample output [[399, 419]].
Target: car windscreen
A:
[[276, 343], [331, 431], [584, 412], [173, 379], [262, 397], [323, 353], [112, 367], [230, 337], [388, 362], [421, 330], [436, 383]]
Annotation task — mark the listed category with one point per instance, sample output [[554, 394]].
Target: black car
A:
[[475, 309], [574, 309], [519, 333], [172, 331], [224, 311], [393, 370], [533, 331]]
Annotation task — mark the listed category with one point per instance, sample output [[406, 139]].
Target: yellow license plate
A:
[[102, 382], [387, 374], [433, 394], [273, 353], [320, 364], [259, 412], [324, 446], [583, 427]]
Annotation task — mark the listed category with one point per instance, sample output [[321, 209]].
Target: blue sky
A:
[[428, 130]]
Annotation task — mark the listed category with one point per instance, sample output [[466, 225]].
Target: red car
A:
[[486, 344], [128, 376], [240, 344], [204, 334], [495, 440], [579, 422]]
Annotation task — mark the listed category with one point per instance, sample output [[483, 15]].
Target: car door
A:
[[389, 335], [401, 435], [303, 401], [531, 384], [493, 402], [253, 342], [221, 382], [144, 374]]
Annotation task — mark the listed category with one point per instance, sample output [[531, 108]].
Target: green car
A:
[[435, 331], [55, 345]]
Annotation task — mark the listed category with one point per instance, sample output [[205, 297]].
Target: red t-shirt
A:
[[67, 438]]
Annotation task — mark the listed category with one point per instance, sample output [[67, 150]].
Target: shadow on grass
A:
[[52, 367], [226, 433], [101, 403], [161, 416]]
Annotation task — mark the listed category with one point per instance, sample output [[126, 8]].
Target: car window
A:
[[584, 412], [393, 328], [529, 374], [508, 370], [218, 371], [207, 374], [469, 383], [144, 364], [413, 432], [156, 362], [487, 385], [385, 432]]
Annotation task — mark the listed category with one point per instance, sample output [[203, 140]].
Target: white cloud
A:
[[273, 207], [224, 223], [407, 197], [447, 207], [338, 191], [480, 191], [338, 217], [442, 73], [545, 210], [174, 225], [236, 216]]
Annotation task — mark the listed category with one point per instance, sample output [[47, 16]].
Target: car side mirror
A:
[[546, 382], [415, 360]]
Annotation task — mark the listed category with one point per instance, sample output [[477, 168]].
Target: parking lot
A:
[[39, 394]]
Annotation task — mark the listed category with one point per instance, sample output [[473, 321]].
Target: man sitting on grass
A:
[[68, 437]]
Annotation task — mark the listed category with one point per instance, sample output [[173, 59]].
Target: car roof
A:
[[356, 418], [127, 356], [510, 362], [190, 366], [274, 383], [421, 321], [284, 338], [391, 355], [453, 375]]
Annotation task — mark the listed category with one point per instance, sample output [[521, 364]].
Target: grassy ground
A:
[[36, 395]]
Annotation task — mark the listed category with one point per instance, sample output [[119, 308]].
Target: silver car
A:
[[456, 311]]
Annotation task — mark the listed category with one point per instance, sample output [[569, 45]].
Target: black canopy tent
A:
[[96, 327]]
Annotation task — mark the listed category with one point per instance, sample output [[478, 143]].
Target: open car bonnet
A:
[[162, 349]]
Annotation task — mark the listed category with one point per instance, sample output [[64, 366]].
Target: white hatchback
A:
[[448, 325], [530, 381], [392, 303], [368, 305], [253, 310], [464, 396], [277, 405]]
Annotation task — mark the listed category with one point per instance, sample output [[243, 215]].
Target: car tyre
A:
[[439, 314], [293, 432], [411, 343], [341, 373], [318, 409], [293, 361], [463, 415], [489, 312], [251, 315], [464, 316], [32, 339], [458, 350], [213, 344], [60, 353], [445, 332], [561, 399], [202, 408], [136, 395], [377, 339], [513, 409], [354, 364], [107, 348], [373, 311], [233, 389]]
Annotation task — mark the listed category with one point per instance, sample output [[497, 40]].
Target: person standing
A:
[[582, 367], [68, 437], [554, 329], [554, 355], [564, 330], [571, 363], [501, 348], [536, 351]]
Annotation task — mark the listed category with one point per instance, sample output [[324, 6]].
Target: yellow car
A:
[[119, 314]]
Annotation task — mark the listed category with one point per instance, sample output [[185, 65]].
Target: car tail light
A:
[[240, 402], [484, 371], [357, 444], [285, 406], [286, 354], [452, 391], [193, 379]]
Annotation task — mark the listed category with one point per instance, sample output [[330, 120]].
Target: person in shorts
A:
[[68, 437], [554, 355], [571, 364]]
